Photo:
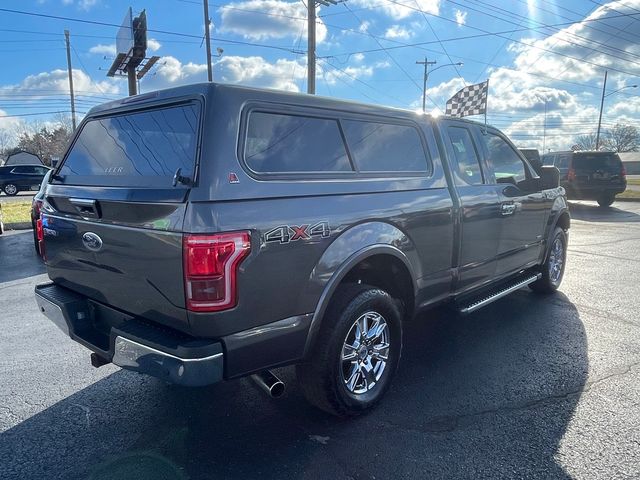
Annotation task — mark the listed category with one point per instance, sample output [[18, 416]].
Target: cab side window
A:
[[507, 166], [466, 163]]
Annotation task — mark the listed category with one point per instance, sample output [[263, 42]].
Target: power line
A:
[[165, 32], [497, 34], [390, 56], [39, 113], [565, 31], [441, 44]]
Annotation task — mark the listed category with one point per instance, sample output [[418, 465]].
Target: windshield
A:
[[134, 149]]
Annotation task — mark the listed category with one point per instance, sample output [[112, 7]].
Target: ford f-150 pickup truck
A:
[[211, 232]]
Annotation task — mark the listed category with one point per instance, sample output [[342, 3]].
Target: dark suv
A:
[[14, 178], [596, 176], [211, 232]]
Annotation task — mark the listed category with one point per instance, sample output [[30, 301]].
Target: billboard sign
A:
[[124, 37]]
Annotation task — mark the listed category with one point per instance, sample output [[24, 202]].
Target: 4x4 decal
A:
[[292, 233]]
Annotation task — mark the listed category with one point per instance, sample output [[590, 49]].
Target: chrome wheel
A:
[[556, 260], [10, 189], [365, 353]]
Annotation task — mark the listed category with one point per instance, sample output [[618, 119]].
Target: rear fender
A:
[[559, 210], [348, 250]]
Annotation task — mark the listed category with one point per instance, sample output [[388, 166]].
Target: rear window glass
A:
[[382, 147], [595, 161], [279, 143], [143, 149]]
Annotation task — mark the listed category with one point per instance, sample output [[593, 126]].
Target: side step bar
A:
[[499, 294]]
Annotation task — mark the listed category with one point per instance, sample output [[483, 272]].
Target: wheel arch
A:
[[402, 283]]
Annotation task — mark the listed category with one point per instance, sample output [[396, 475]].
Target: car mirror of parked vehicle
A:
[[550, 177]]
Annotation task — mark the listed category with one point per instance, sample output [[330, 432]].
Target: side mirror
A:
[[549, 177]]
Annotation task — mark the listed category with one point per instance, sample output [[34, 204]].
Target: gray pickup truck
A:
[[211, 232]]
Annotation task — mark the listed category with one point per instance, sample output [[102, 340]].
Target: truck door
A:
[[523, 206], [479, 221]]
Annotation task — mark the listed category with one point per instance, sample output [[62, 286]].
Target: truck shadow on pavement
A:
[[489, 395], [592, 212]]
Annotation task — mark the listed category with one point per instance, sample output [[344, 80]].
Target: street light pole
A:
[[426, 64], [604, 87]]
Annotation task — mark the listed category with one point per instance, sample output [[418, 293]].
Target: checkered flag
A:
[[471, 100]]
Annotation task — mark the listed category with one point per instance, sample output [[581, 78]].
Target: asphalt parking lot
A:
[[529, 387]]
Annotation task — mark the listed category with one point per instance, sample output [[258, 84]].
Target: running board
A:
[[499, 294]]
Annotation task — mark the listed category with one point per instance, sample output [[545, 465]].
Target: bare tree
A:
[[586, 142], [7, 140], [622, 138]]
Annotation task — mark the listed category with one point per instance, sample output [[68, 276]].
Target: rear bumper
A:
[[592, 192], [131, 343]]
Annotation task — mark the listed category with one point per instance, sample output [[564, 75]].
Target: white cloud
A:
[[461, 17], [395, 32], [101, 49], [153, 45], [58, 81], [9, 124], [591, 48], [285, 19], [364, 26], [82, 4], [172, 72], [403, 8]]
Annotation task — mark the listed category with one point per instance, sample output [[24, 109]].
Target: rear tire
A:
[[10, 189], [606, 200], [553, 266], [348, 372]]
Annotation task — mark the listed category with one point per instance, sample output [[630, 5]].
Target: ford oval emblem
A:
[[92, 241]]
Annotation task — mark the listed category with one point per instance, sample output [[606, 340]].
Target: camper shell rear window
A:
[[143, 148]]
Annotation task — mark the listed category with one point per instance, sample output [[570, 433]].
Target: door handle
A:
[[86, 208], [507, 209]]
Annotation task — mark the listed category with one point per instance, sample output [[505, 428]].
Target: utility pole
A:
[[426, 64], [207, 37], [311, 40], [544, 128], [311, 47], [73, 102], [604, 87]]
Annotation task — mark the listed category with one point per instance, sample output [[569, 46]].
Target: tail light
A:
[[623, 172], [211, 268], [37, 204], [571, 174], [40, 237]]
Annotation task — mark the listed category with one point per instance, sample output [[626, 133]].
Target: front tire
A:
[[554, 264], [356, 353], [10, 189]]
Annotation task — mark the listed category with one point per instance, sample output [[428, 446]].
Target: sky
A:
[[545, 59]]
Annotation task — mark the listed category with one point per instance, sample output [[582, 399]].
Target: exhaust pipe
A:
[[268, 382]]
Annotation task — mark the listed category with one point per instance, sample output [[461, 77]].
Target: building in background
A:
[[631, 162]]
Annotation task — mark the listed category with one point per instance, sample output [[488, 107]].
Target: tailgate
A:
[[113, 214], [598, 168]]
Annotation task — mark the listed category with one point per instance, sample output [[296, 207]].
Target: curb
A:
[[18, 226]]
